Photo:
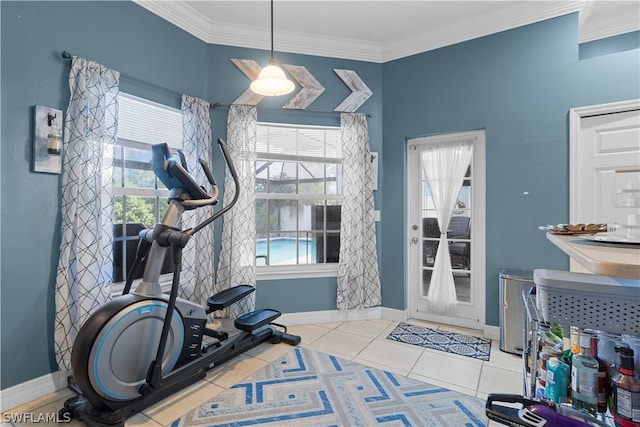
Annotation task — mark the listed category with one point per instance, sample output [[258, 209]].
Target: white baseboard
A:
[[394, 314], [328, 316], [492, 332], [33, 389]]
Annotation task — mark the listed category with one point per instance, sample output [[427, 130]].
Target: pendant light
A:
[[272, 81]]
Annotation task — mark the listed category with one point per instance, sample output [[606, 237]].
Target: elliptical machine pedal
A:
[[256, 319], [224, 299]]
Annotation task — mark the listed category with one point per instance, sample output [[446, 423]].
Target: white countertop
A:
[[600, 258]]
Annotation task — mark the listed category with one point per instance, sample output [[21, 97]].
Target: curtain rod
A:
[[67, 55], [213, 105], [281, 110]]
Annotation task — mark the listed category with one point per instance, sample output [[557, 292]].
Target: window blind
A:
[[301, 142], [147, 122]]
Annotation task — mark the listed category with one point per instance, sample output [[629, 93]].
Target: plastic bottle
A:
[[602, 376], [626, 392], [606, 348], [574, 336], [584, 378], [551, 338], [544, 356], [558, 374]]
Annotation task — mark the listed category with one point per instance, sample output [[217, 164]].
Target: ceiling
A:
[[378, 30]]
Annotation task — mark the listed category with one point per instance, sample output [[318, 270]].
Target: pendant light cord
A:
[[272, 57]]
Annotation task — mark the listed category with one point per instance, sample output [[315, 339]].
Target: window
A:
[[140, 201], [298, 189]]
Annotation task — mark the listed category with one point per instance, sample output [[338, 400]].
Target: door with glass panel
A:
[[464, 234]]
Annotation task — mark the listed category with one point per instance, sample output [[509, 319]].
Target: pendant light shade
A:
[[272, 81]]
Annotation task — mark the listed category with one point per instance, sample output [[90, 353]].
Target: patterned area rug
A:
[[309, 388], [451, 342]]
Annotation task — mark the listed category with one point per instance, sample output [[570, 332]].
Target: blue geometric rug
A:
[[451, 342], [309, 388]]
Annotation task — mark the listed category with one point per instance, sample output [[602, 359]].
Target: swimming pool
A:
[[282, 250]]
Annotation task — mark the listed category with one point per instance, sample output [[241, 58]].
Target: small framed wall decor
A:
[[47, 140]]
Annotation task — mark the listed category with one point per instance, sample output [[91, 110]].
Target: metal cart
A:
[[587, 301]]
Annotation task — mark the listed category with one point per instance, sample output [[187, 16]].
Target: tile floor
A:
[[362, 341]]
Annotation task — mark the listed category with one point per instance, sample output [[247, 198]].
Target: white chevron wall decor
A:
[[311, 88], [360, 92], [251, 69]]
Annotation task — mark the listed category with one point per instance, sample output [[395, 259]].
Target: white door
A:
[[466, 235], [605, 162]]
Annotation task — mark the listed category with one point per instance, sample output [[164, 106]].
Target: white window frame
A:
[[297, 271], [144, 142]]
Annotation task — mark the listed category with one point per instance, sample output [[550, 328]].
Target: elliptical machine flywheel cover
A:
[[115, 347]]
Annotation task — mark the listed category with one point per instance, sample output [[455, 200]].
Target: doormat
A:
[[450, 342], [309, 388]]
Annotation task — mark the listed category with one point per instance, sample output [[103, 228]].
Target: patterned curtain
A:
[[444, 166], [197, 270], [237, 263], [358, 278], [84, 275]]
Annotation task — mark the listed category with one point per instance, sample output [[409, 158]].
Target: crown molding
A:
[[181, 14], [611, 28], [474, 28], [300, 43]]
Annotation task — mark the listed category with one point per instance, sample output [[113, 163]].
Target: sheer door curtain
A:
[[444, 165]]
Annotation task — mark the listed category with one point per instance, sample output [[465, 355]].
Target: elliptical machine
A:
[[145, 345]]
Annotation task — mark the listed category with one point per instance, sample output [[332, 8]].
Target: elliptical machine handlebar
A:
[[205, 168], [191, 204], [236, 181]]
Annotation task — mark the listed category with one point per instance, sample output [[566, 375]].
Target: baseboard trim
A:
[[394, 314], [328, 316], [492, 332], [33, 389]]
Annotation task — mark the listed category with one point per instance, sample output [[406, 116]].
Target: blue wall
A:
[[127, 38], [615, 44], [518, 85]]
